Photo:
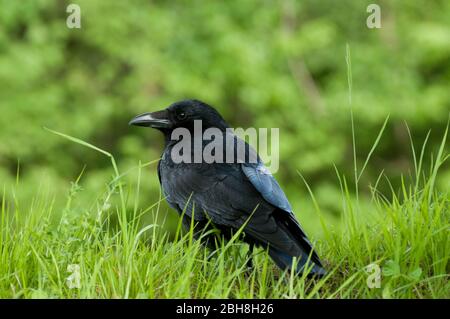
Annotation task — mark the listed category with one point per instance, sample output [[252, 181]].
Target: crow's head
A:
[[181, 114]]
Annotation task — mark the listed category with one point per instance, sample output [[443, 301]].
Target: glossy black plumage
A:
[[228, 195]]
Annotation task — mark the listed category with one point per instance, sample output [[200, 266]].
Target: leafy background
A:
[[261, 63]]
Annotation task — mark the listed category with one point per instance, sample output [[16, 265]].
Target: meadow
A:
[[396, 247]]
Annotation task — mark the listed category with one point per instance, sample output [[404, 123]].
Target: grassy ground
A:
[[403, 237]]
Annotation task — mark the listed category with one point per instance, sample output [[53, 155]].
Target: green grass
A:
[[405, 233]]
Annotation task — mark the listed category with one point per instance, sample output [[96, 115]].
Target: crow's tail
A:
[[305, 254], [304, 263]]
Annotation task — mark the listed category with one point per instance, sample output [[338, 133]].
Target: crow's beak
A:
[[158, 119]]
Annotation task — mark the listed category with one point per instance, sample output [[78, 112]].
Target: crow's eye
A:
[[181, 115]]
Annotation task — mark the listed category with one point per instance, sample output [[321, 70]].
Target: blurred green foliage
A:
[[261, 63]]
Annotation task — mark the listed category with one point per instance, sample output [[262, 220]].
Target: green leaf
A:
[[391, 269], [415, 274], [387, 292]]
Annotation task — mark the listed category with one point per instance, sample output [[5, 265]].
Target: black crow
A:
[[229, 194]]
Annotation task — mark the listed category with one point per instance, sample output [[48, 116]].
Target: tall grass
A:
[[404, 233]]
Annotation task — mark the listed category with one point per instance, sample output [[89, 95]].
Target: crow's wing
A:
[[266, 184], [224, 195], [270, 190]]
